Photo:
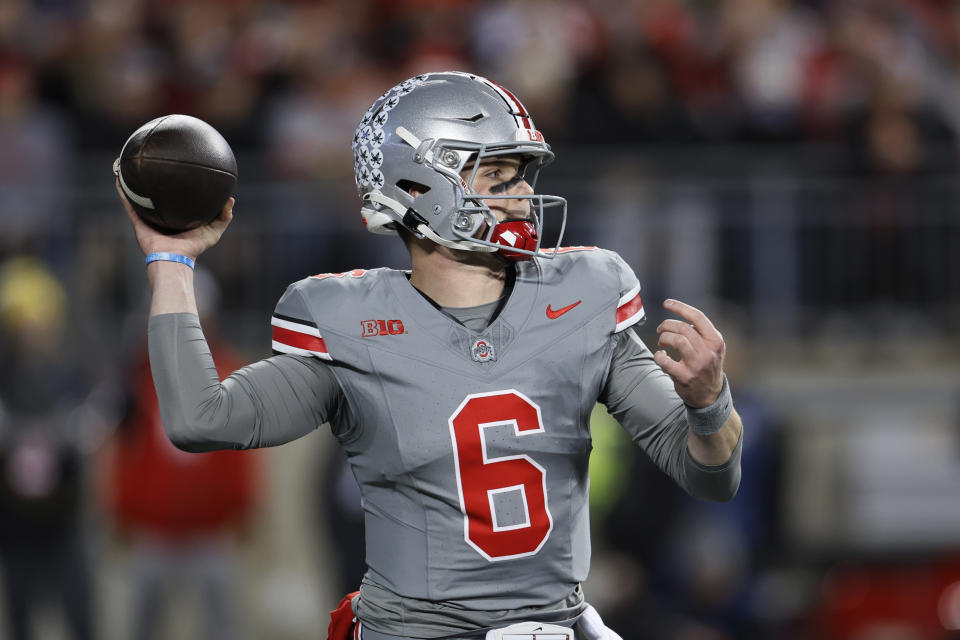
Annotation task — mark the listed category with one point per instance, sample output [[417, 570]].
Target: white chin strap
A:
[[424, 229], [455, 244], [407, 136]]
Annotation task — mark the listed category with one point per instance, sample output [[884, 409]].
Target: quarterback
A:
[[461, 389]]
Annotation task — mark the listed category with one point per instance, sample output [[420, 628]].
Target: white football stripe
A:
[[143, 201]]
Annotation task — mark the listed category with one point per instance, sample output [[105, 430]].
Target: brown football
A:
[[177, 171]]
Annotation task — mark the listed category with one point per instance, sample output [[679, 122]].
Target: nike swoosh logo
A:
[[553, 315]]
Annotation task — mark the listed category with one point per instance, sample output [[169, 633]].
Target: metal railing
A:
[[785, 239]]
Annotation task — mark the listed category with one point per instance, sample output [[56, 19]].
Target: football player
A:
[[460, 390]]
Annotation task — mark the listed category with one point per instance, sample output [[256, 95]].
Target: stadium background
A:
[[788, 166]]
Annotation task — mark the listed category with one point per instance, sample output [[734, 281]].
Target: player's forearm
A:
[[716, 449], [719, 482], [171, 284], [712, 461]]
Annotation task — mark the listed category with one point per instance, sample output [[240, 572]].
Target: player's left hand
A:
[[698, 375]]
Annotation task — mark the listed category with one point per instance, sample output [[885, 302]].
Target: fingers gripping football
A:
[[189, 243], [698, 374]]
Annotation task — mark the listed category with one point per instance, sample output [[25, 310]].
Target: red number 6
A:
[[480, 478]]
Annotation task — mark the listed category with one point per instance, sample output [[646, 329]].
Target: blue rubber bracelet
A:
[[170, 257]]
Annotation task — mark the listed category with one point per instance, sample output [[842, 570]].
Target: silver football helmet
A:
[[420, 135]]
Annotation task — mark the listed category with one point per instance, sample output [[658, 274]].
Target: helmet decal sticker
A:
[[391, 102], [364, 176]]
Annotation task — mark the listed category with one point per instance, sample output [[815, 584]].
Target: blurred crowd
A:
[[876, 81], [650, 104], [289, 77]]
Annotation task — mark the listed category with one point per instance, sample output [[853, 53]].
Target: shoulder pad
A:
[[630, 304], [603, 269], [316, 306], [294, 330]]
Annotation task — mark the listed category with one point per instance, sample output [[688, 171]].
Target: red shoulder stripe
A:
[[299, 340], [630, 312]]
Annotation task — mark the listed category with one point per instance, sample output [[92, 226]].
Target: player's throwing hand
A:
[[189, 243], [698, 375]]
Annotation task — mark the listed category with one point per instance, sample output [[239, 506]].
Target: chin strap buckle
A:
[[413, 221]]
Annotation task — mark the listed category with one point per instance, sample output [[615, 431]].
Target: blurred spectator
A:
[[899, 600], [554, 41], [117, 75], [35, 159], [51, 417], [307, 122], [770, 44], [183, 514]]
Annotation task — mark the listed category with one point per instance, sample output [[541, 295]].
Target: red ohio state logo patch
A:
[[482, 351], [381, 328]]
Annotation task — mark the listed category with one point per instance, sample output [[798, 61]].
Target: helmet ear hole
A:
[[413, 188]]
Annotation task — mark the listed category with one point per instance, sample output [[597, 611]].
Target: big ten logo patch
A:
[[381, 328]]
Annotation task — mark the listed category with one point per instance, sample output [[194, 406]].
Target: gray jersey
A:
[[470, 449]]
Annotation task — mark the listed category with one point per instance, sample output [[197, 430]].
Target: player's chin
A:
[[488, 259]]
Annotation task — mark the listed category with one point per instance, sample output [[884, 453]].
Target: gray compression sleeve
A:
[[640, 395], [264, 404]]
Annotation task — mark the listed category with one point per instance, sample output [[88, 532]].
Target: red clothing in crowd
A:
[[153, 487]]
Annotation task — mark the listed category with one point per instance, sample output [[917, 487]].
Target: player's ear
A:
[[415, 189]]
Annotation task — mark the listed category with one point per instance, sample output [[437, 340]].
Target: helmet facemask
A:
[[473, 222]]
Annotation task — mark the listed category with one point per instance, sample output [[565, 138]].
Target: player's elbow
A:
[[185, 436], [192, 434], [721, 490]]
